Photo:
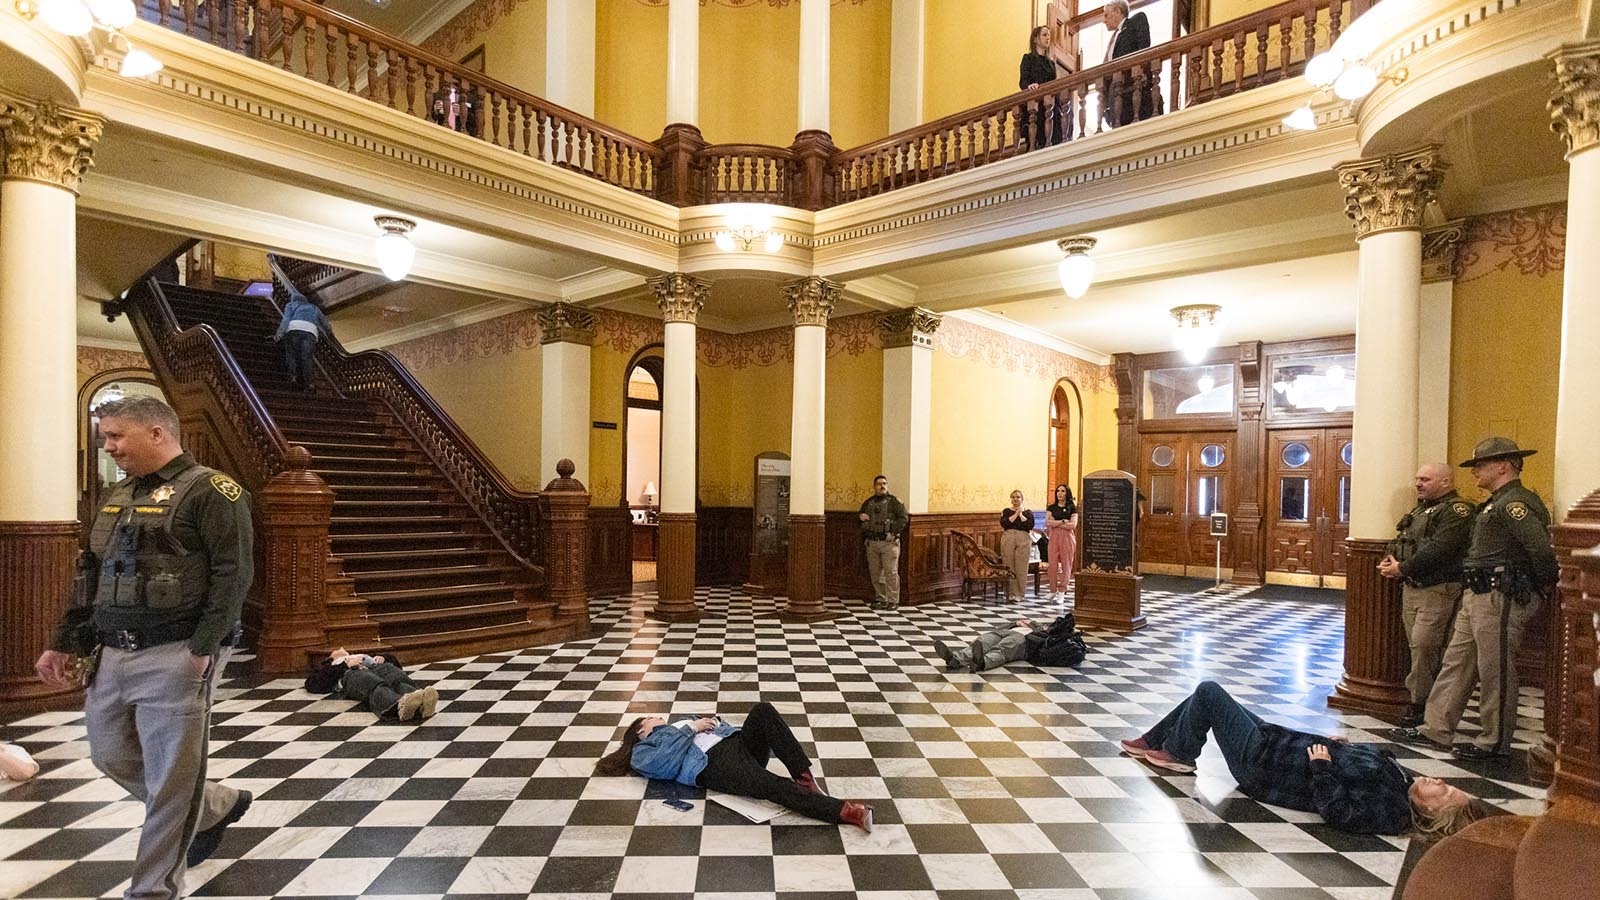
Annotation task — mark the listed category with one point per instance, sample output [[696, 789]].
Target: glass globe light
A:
[[1302, 119], [115, 14], [1355, 82], [138, 64], [1324, 69], [69, 17]]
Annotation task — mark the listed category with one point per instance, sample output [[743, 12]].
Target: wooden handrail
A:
[[335, 50], [511, 514], [1196, 67], [745, 173]]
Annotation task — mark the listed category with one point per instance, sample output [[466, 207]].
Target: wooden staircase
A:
[[436, 575]]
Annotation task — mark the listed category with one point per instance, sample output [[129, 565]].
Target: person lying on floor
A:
[[1056, 645], [1354, 787], [380, 683], [709, 753]]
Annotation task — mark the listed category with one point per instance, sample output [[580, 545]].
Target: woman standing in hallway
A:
[[1016, 537], [712, 754], [1061, 528]]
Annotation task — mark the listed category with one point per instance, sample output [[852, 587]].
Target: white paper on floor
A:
[[757, 811]]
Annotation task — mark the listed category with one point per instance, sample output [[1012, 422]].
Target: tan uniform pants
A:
[[147, 714], [1427, 613], [1483, 649], [1014, 547], [883, 570]]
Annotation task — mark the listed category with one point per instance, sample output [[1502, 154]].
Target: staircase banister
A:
[[1272, 15], [373, 36], [765, 150]]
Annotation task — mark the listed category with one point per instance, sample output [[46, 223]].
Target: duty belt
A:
[[881, 536], [125, 639]]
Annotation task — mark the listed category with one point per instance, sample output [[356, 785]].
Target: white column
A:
[[569, 62], [47, 150], [1576, 117], [905, 65], [683, 62], [1385, 198], [908, 403], [680, 298], [1433, 341], [811, 300], [813, 66], [566, 336]]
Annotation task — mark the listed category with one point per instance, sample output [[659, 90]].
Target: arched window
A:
[[97, 471], [1065, 441], [642, 475]]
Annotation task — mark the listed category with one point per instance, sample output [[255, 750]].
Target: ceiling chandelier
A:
[[76, 18], [1077, 267], [1343, 70], [1195, 329], [393, 248], [749, 227]]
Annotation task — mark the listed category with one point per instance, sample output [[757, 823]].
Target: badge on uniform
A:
[[227, 487], [163, 494], [1517, 510], [1462, 509]]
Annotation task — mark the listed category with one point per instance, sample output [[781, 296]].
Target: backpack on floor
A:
[[1061, 645]]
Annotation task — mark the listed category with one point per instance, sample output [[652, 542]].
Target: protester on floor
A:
[[709, 753], [15, 763], [380, 683], [1426, 557], [1016, 539], [1059, 644], [1510, 572], [302, 324], [1048, 121], [154, 615], [883, 517], [1354, 787], [1061, 529]]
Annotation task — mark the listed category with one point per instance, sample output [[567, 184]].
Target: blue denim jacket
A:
[[669, 753], [302, 310]]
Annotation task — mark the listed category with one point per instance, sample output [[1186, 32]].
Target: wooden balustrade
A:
[[312, 41], [303, 37]]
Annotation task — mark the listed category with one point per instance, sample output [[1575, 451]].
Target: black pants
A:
[[1211, 708], [738, 765], [380, 687], [297, 349]]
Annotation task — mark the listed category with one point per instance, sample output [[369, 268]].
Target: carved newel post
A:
[[566, 553], [292, 512], [1384, 197]]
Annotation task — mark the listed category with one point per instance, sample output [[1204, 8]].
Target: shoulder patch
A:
[[227, 487], [1516, 509], [1461, 508]]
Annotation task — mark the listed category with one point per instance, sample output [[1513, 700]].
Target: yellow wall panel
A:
[[503, 420], [749, 62], [858, 79], [513, 47], [972, 52], [630, 58], [853, 430]]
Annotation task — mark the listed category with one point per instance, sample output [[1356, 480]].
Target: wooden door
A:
[[1210, 489], [1163, 479], [1308, 505]]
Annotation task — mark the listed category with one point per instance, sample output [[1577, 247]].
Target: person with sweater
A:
[[709, 753], [1354, 787], [302, 324], [380, 683]]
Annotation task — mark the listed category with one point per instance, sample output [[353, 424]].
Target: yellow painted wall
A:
[[1228, 10], [858, 72], [504, 421], [749, 60], [1505, 342], [513, 47], [630, 58], [972, 53], [854, 427]]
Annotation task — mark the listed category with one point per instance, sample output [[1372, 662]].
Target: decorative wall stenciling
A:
[[94, 360], [963, 339], [1532, 240]]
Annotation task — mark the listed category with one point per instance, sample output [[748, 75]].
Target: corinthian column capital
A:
[[564, 323], [45, 142], [1575, 106], [1389, 193], [909, 327], [1439, 246], [812, 299], [679, 296]]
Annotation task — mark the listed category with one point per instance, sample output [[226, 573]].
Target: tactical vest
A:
[[142, 565]]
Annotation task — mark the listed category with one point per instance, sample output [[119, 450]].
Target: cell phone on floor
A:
[[679, 805]]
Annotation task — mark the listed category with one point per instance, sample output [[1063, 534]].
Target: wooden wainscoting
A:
[[930, 564], [610, 551], [844, 558], [722, 545]]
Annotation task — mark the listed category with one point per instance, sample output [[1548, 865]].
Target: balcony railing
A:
[[331, 49]]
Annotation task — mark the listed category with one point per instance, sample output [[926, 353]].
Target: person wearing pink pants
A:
[[1061, 527]]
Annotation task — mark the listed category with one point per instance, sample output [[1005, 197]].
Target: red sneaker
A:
[[807, 782], [857, 814], [1161, 759], [1137, 748]]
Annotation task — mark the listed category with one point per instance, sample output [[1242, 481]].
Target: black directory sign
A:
[[1107, 510], [1219, 525]]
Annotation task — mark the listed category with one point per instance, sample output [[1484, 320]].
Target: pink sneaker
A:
[[1161, 759], [1137, 748]]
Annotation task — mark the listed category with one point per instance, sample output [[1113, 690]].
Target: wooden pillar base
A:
[[675, 569], [566, 550], [1107, 600], [1376, 655], [806, 538], [35, 580]]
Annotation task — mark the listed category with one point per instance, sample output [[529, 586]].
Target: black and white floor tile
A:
[[1006, 784]]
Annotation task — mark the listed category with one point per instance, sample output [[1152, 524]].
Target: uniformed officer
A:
[[1426, 555], [158, 593], [1509, 570]]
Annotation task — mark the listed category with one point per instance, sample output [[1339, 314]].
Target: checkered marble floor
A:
[[1005, 784]]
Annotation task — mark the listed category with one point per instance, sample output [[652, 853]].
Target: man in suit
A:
[[1129, 35]]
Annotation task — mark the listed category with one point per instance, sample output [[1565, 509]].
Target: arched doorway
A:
[[1065, 443], [97, 471], [641, 464]]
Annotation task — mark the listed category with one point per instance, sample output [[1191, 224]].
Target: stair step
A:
[[413, 493], [361, 441], [375, 477], [476, 641], [373, 580], [409, 541], [296, 425], [439, 597], [355, 462], [378, 561], [505, 611], [340, 526]]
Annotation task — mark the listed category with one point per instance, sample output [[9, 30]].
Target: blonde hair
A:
[[1444, 822]]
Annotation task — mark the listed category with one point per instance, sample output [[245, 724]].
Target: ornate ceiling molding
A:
[[47, 143]]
